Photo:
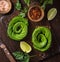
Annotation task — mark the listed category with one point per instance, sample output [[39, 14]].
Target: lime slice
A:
[[52, 13], [25, 47]]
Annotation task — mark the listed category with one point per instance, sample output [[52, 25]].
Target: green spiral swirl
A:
[[17, 28], [41, 38]]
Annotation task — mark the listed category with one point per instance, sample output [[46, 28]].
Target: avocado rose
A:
[[41, 38], [17, 28]]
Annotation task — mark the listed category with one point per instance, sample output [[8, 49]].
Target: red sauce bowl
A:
[[35, 13]]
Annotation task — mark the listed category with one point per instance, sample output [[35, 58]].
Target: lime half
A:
[[52, 13], [25, 47]]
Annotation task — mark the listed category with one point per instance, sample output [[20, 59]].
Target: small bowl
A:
[[9, 8], [38, 14]]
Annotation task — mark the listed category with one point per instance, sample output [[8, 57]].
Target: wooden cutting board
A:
[[12, 45]]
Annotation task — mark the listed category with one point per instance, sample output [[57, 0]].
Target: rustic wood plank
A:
[[13, 45]]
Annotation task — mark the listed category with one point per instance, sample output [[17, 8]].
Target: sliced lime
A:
[[51, 13], [25, 47]]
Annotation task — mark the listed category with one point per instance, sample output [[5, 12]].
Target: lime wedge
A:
[[25, 47], [52, 13]]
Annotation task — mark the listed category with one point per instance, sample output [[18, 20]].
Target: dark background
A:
[[54, 25]]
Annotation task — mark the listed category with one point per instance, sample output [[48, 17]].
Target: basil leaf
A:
[[50, 2], [45, 2], [23, 12], [27, 2], [22, 57], [18, 55], [26, 58], [18, 5]]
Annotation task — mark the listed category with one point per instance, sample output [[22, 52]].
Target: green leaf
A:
[[50, 2], [45, 2], [23, 12], [18, 55], [26, 58], [18, 5], [27, 2], [23, 57]]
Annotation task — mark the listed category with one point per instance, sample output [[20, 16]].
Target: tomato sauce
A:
[[35, 13]]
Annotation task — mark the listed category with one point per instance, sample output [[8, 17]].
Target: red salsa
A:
[[35, 13]]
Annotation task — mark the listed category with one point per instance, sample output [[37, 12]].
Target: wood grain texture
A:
[[14, 45]]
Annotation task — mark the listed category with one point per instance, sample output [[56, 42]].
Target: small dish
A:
[[5, 6], [35, 13]]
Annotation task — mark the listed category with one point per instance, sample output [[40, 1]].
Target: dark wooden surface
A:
[[14, 45]]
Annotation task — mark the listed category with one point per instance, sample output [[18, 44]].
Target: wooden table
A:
[[14, 45]]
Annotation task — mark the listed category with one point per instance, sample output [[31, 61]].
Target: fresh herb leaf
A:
[[18, 55], [45, 2], [26, 58], [27, 2], [50, 2], [18, 5], [23, 57], [23, 12]]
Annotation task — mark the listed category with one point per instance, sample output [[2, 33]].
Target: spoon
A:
[[6, 51]]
